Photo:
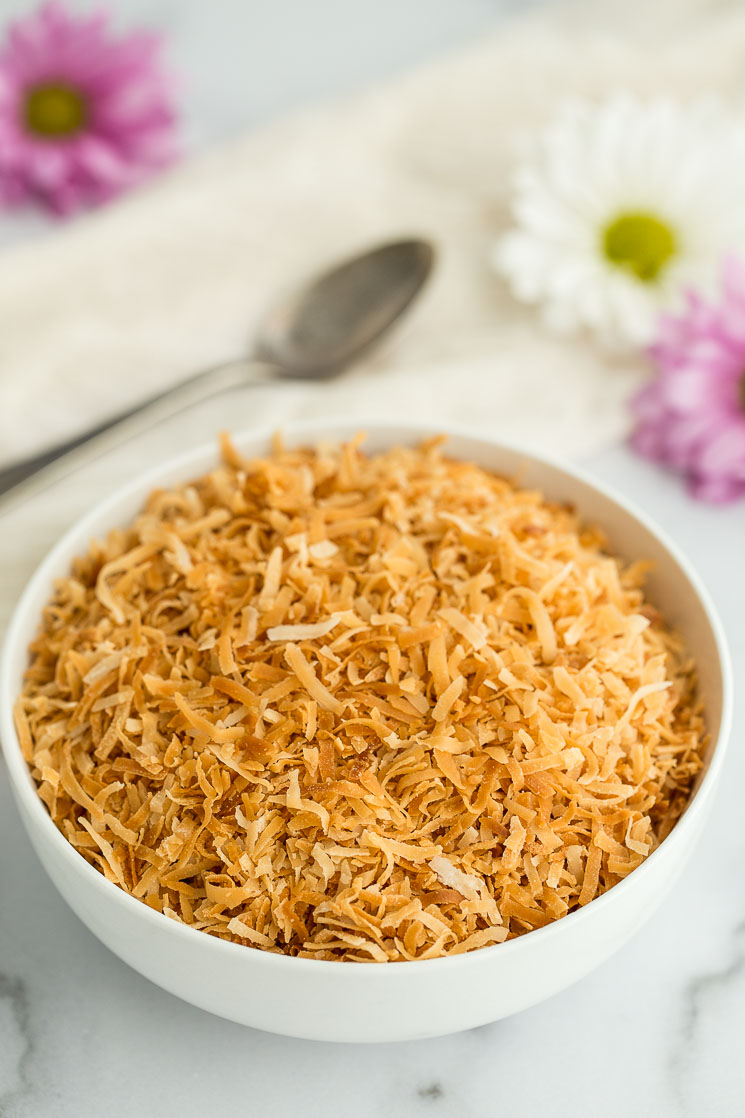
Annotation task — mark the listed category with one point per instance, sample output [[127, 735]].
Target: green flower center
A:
[[639, 243], [742, 392], [55, 109]]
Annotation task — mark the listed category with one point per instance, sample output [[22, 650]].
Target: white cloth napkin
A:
[[127, 300]]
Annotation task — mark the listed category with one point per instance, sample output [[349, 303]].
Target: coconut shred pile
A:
[[358, 707]]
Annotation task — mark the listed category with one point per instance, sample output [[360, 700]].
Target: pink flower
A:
[[692, 415], [83, 115]]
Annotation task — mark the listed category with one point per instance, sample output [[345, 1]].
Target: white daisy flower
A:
[[621, 207]]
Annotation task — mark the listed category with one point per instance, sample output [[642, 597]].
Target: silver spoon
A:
[[312, 334]]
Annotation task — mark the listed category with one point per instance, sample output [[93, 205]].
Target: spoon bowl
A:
[[330, 322]]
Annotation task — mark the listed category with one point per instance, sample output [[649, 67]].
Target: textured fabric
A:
[[126, 300]]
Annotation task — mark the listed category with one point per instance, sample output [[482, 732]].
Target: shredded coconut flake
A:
[[302, 632], [455, 878], [324, 549]]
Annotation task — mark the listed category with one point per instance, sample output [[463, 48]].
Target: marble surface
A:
[[655, 1031]]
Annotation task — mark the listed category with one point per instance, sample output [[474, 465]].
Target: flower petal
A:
[[129, 119], [684, 166]]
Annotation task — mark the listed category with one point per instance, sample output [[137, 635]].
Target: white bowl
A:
[[370, 1001]]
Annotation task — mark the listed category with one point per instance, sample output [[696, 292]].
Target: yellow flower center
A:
[[639, 243], [54, 110]]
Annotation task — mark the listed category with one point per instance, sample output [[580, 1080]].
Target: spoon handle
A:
[[30, 475]]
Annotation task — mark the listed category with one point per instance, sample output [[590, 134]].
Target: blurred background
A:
[[238, 64]]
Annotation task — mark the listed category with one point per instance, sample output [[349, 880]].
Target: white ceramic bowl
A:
[[371, 1001]]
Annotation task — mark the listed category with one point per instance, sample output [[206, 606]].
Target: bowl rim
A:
[[396, 433]]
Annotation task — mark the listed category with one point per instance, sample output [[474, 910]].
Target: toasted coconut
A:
[[450, 875], [302, 632], [359, 708]]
